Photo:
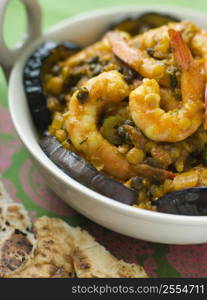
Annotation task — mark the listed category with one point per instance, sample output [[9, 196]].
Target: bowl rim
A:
[[46, 163]]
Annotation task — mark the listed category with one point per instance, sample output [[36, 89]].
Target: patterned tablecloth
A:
[[25, 184]]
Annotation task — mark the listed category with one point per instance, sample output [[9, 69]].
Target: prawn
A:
[[168, 100], [134, 52], [199, 47], [106, 88], [158, 40], [137, 59], [82, 118], [177, 124], [195, 177]]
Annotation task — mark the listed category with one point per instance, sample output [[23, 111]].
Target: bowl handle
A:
[[8, 56]]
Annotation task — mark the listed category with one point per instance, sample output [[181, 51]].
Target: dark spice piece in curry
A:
[[129, 122], [82, 95], [173, 78], [150, 52], [93, 60], [136, 183], [56, 70]]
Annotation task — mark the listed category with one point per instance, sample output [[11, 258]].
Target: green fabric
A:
[[25, 184]]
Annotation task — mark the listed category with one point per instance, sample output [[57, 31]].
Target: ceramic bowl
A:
[[84, 29]]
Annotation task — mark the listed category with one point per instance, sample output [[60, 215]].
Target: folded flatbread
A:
[[50, 248]]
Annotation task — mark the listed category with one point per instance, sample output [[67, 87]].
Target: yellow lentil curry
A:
[[134, 107]]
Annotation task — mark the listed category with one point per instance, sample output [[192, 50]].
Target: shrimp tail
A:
[[123, 51], [152, 173], [181, 51]]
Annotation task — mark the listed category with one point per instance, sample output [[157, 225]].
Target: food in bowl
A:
[[126, 115]]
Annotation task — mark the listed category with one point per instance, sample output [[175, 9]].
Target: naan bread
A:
[[16, 239], [51, 256], [52, 248], [91, 260]]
